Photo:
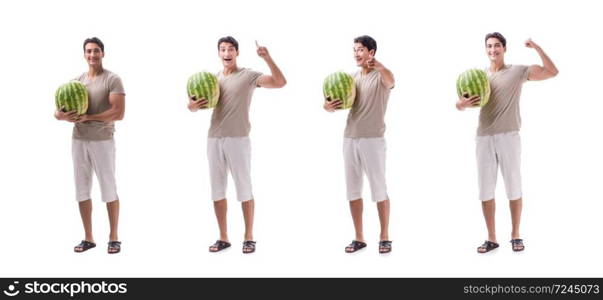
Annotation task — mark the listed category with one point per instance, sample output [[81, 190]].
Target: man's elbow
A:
[[281, 83], [550, 74], [119, 116]]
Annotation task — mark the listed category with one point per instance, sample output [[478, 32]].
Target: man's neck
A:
[[496, 66], [230, 70], [95, 71], [366, 70]]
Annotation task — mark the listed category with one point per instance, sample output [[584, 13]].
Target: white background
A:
[[302, 217]]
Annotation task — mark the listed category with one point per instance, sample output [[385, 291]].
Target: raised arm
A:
[[387, 77], [547, 70], [276, 79]]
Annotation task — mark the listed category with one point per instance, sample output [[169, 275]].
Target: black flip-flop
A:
[[84, 245], [248, 247], [354, 246], [385, 247], [487, 246], [219, 246], [115, 246], [517, 245]]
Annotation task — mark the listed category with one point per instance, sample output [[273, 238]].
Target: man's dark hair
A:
[[367, 42], [228, 39], [497, 36], [94, 40]]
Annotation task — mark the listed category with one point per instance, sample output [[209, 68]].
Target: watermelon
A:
[[340, 86], [204, 85], [474, 82], [72, 96]]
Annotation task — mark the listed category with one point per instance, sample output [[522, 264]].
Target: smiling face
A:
[[362, 54], [93, 54], [228, 54], [495, 49]]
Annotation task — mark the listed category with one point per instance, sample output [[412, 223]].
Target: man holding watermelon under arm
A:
[[498, 143], [364, 144], [228, 144], [93, 147]]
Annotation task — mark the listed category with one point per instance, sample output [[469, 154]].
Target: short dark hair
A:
[[228, 39], [497, 36], [367, 42], [94, 40]]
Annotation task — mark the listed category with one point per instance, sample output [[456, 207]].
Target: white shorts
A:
[[496, 150], [97, 156], [230, 154], [365, 155]]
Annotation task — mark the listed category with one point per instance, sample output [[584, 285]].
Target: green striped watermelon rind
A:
[[204, 85], [335, 86], [479, 87], [70, 96]]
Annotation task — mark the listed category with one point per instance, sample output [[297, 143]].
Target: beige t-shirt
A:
[[501, 114], [366, 118], [98, 101], [231, 117]]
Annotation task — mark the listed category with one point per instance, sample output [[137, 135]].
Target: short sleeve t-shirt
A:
[[501, 114], [99, 90], [230, 118], [366, 118]]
